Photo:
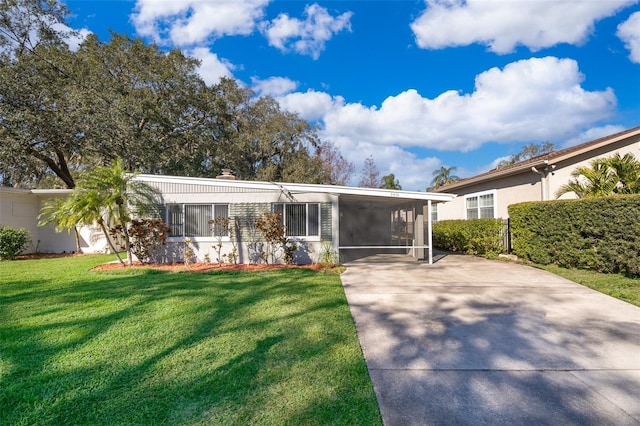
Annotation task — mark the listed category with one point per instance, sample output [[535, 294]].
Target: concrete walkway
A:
[[472, 341]]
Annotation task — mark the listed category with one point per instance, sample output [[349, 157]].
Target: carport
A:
[[377, 221]]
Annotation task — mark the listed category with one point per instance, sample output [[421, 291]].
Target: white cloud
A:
[[189, 22], [528, 100], [311, 105], [212, 68], [273, 86], [306, 37], [629, 32], [503, 25], [593, 134], [539, 99], [413, 173]]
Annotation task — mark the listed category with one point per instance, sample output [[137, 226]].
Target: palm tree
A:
[[390, 182], [443, 176], [59, 211], [107, 195], [121, 195], [627, 170], [596, 181]]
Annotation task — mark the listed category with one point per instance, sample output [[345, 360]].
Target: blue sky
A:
[[415, 84]]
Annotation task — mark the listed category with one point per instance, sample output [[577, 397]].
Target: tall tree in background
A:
[[27, 24], [37, 122], [63, 112], [338, 168], [390, 182], [527, 152], [442, 177], [370, 176]]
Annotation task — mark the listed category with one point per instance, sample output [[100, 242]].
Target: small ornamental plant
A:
[[187, 252], [13, 242], [273, 230], [147, 236]]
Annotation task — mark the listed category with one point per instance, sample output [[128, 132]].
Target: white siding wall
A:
[[20, 209], [247, 204]]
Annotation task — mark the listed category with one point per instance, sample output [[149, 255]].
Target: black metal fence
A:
[[506, 235]]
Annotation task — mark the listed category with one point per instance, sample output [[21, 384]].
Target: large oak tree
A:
[[64, 111]]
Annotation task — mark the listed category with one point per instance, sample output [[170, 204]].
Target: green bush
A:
[[602, 234], [13, 242], [475, 236]]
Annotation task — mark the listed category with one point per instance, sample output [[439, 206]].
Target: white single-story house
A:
[[349, 220], [538, 179]]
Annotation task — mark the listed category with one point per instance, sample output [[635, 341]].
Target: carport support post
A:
[[429, 232], [418, 231]]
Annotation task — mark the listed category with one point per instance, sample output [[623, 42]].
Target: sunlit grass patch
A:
[[147, 347]]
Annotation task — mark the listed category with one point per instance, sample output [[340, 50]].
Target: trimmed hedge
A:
[[602, 233], [474, 236]]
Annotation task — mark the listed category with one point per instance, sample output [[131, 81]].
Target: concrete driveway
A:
[[472, 341]]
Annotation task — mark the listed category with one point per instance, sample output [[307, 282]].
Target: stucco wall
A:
[[562, 173], [529, 186], [514, 189]]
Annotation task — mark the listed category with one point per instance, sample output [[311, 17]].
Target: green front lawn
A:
[[616, 285], [148, 347]]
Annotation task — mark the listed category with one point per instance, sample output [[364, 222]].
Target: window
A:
[[192, 220], [300, 219], [480, 206], [434, 212]]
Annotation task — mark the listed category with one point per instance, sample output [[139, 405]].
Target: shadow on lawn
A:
[[150, 347]]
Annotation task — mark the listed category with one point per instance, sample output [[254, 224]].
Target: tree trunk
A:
[[106, 234], [78, 248]]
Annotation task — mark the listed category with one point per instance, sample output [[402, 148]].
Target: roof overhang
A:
[[539, 163], [496, 175], [51, 191], [35, 191], [299, 188]]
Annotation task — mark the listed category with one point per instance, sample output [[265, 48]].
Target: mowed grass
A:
[[147, 347], [616, 285]]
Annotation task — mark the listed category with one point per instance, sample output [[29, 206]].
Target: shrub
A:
[[146, 237], [273, 230], [474, 236], [13, 242], [602, 233]]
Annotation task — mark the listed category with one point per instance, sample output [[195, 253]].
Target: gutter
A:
[[496, 175]]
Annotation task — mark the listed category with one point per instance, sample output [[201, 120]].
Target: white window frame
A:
[[306, 237], [477, 195], [210, 236]]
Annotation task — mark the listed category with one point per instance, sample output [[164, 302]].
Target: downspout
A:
[[542, 182]]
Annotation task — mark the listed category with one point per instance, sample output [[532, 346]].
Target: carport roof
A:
[[298, 188]]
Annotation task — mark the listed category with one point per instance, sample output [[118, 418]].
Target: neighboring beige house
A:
[[538, 179], [353, 221], [19, 208]]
